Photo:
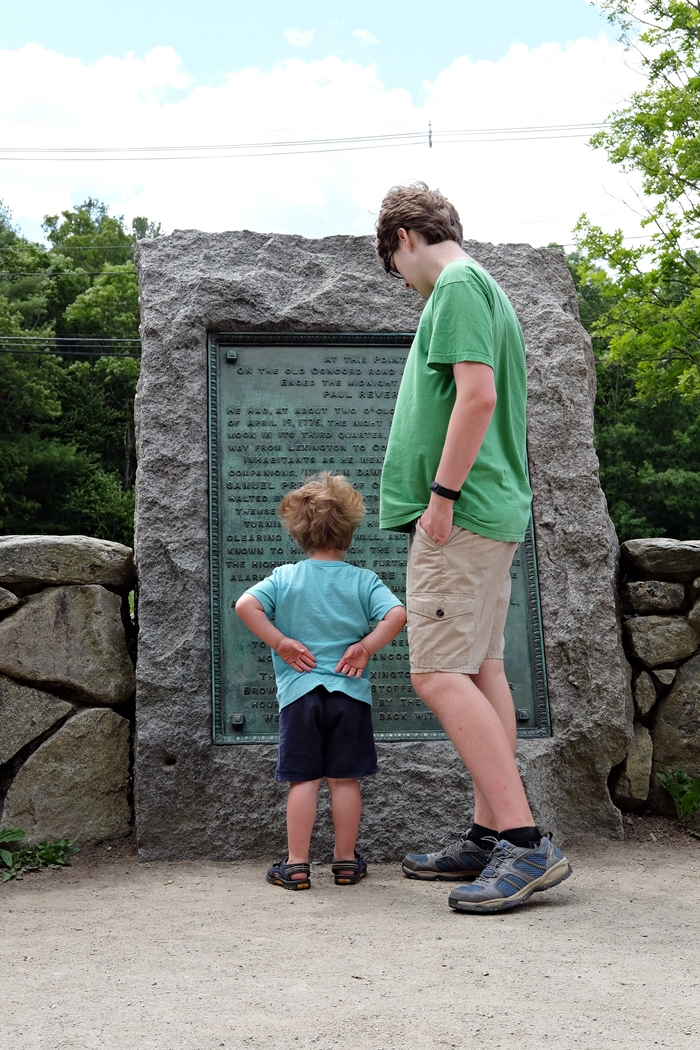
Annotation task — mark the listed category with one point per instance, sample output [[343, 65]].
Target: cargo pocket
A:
[[440, 629]]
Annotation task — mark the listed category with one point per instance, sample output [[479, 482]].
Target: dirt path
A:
[[114, 954]]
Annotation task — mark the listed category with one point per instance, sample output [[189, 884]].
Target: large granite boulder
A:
[[661, 639], [191, 794], [35, 561], [677, 730], [632, 787], [694, 617], [25, 714], [72, 637], [75, 784], [655, 595], [664, 556]]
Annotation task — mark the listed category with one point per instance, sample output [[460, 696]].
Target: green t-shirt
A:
[[467, 318]]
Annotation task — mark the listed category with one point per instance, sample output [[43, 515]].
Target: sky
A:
[[218, 115]]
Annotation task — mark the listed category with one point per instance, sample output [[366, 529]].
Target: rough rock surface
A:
[[72, 637], [695, 588], [633, 784], [694, 617], [32, 561], [221, 800], [655, 595], [644, 693], [661, 639], [677, 731], [75, 784], [664, 675], [664, 556], [25, 713], [8, 600]]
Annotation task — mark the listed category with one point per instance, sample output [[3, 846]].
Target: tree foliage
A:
[[67, 459], [649, 466], [651, 292]]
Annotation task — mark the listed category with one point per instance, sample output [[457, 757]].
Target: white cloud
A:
[[365, 38], [515, 190], [299, 37]]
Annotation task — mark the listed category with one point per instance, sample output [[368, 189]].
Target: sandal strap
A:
[[294, 869]]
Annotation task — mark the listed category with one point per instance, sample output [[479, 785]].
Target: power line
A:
[[301, 146], [73, 346], [65, 273]]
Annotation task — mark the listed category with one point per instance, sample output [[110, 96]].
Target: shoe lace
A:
[[499, 855], [449, 841]]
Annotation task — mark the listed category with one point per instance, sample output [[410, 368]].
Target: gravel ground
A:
[[113, 954]]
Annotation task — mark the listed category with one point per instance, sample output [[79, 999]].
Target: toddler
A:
[[322, 644]]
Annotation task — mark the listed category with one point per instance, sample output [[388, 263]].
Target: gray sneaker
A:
[[461, 860], [512, 875]]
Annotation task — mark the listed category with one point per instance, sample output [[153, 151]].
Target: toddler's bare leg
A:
[[301, 814], [346, 806]]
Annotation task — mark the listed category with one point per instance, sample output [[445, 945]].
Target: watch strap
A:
[[440, 490]]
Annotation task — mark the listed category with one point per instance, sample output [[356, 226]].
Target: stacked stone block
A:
[[66, 687], [661, 615]]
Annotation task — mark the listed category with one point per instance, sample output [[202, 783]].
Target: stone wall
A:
[[67, 649], [661, 615], [196, 798]]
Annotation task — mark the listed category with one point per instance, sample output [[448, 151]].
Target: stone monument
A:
[[196, 795]]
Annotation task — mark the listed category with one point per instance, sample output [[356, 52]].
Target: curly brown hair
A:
[[323, 514], [418, 208]]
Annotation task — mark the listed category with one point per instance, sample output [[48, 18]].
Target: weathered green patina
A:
[[283, 406]]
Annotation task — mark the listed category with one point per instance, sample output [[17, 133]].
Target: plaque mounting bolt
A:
[[237, 721], [232, 355]]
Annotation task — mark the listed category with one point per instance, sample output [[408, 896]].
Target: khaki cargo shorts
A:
[[457, 598]]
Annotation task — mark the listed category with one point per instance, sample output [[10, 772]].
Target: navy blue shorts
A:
[[326, 734]]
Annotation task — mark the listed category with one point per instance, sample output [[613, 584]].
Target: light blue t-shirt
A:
[[326, 605]]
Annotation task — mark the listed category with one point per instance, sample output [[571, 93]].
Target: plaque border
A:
[[218, 340]]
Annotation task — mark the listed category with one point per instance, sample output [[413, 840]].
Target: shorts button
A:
[[440, 613]]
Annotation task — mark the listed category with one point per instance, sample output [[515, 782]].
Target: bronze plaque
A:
[[283, 406]]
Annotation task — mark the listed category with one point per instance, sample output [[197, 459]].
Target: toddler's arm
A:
[[292, 652], [356, 656]]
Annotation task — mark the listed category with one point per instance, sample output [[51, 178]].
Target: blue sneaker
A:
[[461, 860], [511, 876]]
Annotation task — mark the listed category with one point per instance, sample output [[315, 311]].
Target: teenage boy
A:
[[455, 478]]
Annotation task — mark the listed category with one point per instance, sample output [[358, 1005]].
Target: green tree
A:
[[651, 292], [67, 458], [647, 449]]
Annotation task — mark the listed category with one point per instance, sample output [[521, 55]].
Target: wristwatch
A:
[[440, 490]]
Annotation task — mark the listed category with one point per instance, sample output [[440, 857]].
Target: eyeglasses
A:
[[390, 269]]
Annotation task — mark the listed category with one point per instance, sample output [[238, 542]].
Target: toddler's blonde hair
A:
[[323, 514]]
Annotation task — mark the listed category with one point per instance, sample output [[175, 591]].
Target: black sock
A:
[[528, 838], [477, 834]]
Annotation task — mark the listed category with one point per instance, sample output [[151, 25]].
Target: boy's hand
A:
[[295, 654], [353, 661]]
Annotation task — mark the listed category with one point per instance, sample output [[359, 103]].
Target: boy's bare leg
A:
[[482, 742], [346, 806], [492, 682], [301, 815]]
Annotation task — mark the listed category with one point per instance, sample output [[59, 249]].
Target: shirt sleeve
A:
[[379, 599], [462, 327], [266, 593]]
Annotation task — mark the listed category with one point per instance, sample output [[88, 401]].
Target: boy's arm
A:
[[474, 405], [292, 652], [356, 656]]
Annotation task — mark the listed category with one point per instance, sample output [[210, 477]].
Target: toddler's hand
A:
[[353, 661], [295, 654]]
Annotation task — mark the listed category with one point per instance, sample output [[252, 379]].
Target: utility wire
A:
[[301, 146]]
